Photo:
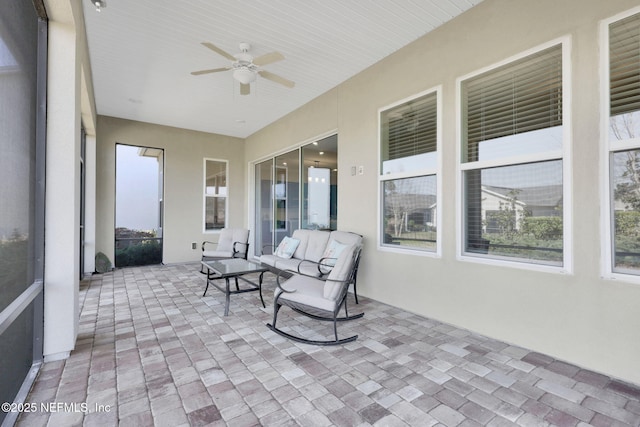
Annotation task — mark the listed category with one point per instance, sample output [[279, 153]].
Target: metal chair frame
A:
[[316, 312]]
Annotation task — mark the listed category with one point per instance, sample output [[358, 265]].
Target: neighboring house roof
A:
[[544, 195], [410, 202]]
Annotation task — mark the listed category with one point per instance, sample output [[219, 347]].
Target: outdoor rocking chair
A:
[[320, 298]]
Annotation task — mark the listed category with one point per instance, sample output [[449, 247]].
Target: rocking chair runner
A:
[[318, 298]]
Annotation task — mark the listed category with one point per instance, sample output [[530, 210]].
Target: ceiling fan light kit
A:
[[244, 75], [245, 67], [99, 4]]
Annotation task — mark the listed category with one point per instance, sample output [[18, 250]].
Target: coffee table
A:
[[234, 268]]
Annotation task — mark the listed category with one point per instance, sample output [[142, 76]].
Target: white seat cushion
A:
[[269, 259], [308, 291], [316, 245], [217, 254], [287, 264], [228, 236], [302, 235]]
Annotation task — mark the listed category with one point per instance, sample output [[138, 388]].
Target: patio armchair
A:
[[232, 243], [320, 298]]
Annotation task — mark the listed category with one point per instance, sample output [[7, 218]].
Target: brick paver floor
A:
[[152, 351]]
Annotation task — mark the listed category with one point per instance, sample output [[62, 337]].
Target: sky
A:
[[137, 198]]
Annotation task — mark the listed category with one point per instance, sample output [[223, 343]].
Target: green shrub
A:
[[543, 227], [145, 253], [525, 246], [627, 223]]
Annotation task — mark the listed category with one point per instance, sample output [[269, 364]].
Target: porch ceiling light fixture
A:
[[244, 74], [99, 4]]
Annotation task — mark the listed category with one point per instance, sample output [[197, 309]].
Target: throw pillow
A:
[[287, 247], [332, 252]]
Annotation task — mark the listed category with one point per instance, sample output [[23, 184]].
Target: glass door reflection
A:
[[264, 207], [286, 194], [320, 189]]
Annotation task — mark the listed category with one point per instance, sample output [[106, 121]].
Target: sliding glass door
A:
[[263, 226], [297, 189], [287, 194]]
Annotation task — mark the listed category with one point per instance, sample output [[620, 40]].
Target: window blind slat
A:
[[624, 66], [411, 128], [521, 97]]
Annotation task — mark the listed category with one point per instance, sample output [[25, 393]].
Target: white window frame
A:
[[608, 148], [563, 154], [437, 171], [204, 195]]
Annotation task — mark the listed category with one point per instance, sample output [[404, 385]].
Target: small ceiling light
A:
[[99, 4], [321, 153], [244, 75]]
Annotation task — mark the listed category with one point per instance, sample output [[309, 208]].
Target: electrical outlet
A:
[[360, 170], [194, 245], [353, 171]]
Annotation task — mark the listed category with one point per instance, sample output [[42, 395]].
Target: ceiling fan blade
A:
[[245, 89], [276, 78], [219, 51], [268, 58], [213, 70]]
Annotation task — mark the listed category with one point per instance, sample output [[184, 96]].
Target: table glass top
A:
[[234, 266]]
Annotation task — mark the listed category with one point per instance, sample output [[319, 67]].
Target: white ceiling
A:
[[143, 51]]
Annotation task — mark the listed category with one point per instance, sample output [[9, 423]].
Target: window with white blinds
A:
[[409, 135], [512, 160], [409, 174], [624, 145], [624, 78], [518, 98]]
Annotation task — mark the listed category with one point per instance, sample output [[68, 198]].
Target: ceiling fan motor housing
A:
[[244, 70]]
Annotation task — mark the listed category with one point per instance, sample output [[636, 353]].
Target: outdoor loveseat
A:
[[316, 287], [318, 246]]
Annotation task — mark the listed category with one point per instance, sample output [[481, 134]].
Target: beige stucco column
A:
[[62, 194], [90, 205]]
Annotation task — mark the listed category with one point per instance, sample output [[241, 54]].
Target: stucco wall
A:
[[577, 317], [184, 154]]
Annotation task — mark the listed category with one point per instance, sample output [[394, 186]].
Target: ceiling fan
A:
[[245, 67]]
